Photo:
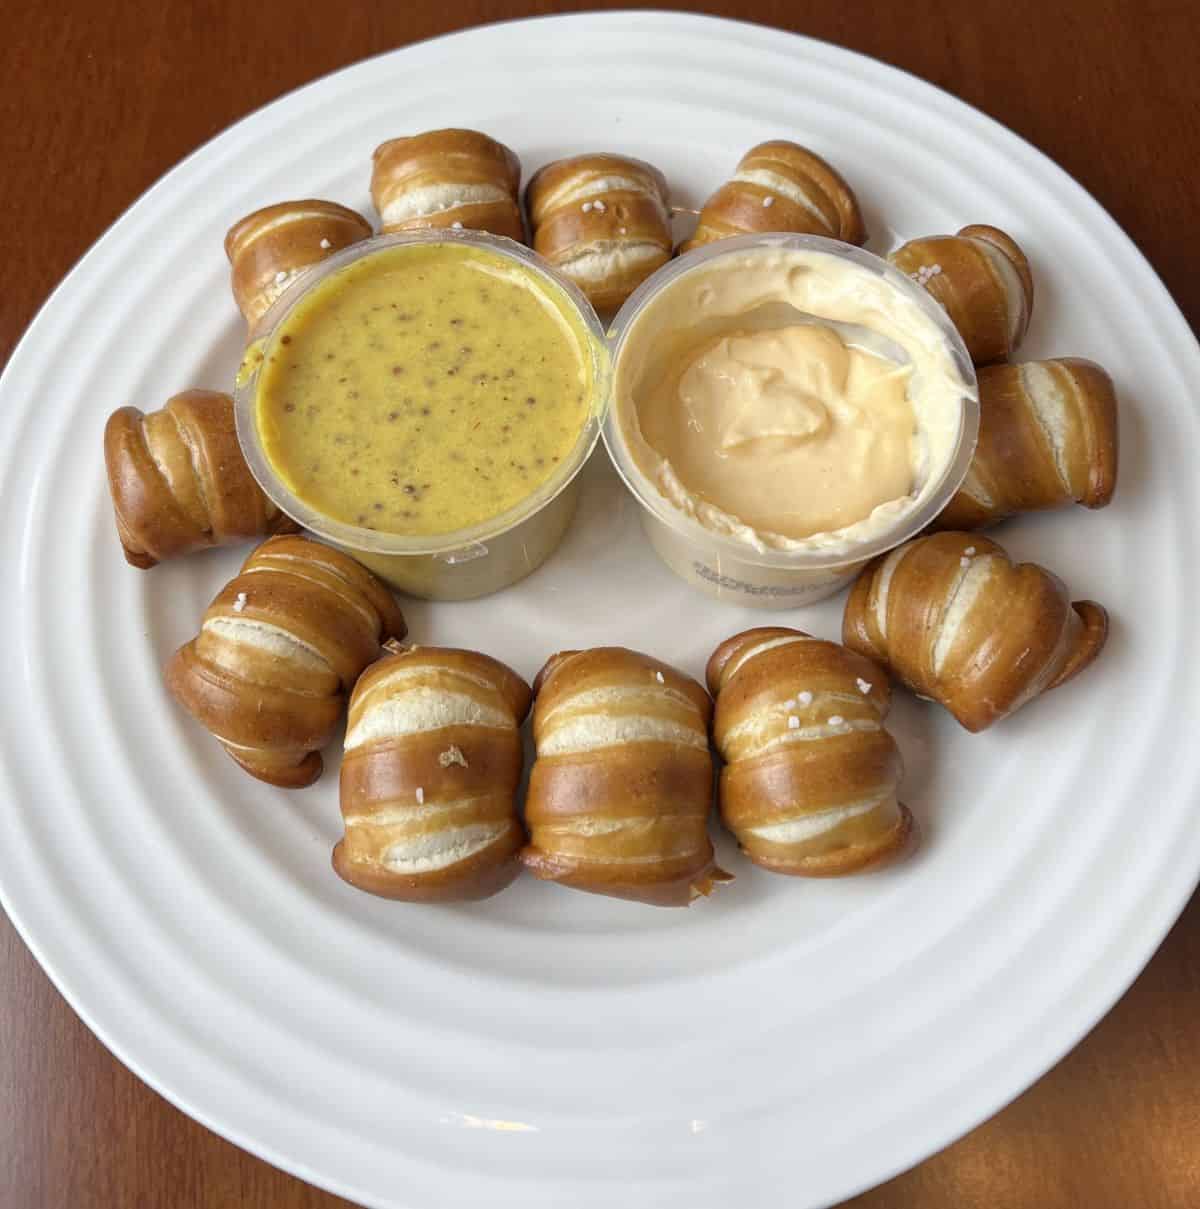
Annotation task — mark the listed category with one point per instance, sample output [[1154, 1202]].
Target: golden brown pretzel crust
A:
[[178, 480], [966, 274], [278, 650], [828, 206], [602, 220], [799, 723], [1047, 438], [472, 182], [271, 248], [620, 792], [957, 621], [410, 785]]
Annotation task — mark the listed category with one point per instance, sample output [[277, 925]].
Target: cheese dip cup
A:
[[425, 401], [785, 408]]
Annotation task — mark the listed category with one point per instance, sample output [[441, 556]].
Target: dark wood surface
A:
[[98, 100]]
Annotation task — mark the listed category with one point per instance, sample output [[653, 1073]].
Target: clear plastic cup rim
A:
[[687, 528], [377, 541]]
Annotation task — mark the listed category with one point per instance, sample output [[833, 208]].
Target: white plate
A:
[[787, 1039]]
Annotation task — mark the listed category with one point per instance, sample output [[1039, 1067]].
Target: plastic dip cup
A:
[[497, 551], [724, 565]]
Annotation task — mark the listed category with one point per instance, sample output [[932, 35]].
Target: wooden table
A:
[[100, 100]]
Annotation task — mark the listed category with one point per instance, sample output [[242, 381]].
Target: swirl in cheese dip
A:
[[789, 398]]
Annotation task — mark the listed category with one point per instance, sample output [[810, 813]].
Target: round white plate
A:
[[550, 1048]]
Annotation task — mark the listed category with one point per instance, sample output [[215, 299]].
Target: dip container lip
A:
[[376, 541], [689, 529]]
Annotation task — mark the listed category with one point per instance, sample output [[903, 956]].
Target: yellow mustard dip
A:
[[423, 389]]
